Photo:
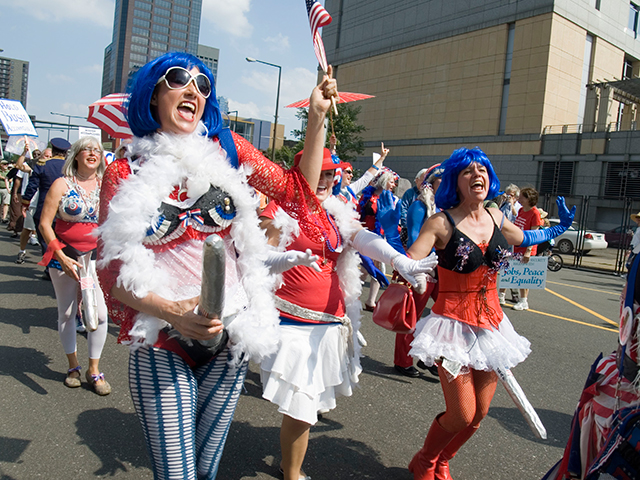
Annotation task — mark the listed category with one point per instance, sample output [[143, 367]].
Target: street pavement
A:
[[48, 431]]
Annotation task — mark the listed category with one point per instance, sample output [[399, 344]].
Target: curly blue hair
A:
[[447, 194], [138, 112]]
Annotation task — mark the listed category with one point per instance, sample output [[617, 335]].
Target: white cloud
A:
[[60, 78], [77, 109], [229, 16], [96, 68], [99, 12], [279, 43], [245, 110]]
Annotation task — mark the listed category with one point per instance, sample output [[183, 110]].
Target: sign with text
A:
[[15, 119], [90, 132], [532, 274]]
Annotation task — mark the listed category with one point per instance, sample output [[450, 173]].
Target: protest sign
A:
[[15, 144], [532, 275], [15, 119], [90, 132]]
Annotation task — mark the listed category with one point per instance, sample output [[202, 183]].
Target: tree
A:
[[346, 128]]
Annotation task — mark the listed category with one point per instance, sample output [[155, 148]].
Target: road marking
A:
[[584, 288], [608, 329], [583, 308]]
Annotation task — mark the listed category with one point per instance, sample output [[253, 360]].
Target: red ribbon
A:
[[52, 247]]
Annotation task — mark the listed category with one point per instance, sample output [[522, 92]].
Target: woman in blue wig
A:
[[466, 334], [182, 179]]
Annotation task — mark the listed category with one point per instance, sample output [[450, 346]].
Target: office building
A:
[[14, 79], [209, 57], [547, 88], [144, 30]]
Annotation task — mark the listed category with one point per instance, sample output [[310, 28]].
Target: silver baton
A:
[[212, 290]]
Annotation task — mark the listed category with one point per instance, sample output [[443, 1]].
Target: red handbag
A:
[[396, 308]]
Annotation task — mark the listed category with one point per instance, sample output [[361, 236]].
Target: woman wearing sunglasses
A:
[[184, 178], [73, 202]]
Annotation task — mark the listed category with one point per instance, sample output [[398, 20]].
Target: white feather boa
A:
[[348, 261], [167, 159]]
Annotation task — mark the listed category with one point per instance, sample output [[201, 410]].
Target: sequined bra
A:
[[463, 255], [78, 206], [212, 212]]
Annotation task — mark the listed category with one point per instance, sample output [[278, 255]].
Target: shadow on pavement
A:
[[27, 318], [558, 425], [114, 437], [12, 448], [18, 362], [250, 451]]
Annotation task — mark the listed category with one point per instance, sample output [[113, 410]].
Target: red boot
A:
[[423, 464], [442, 465]]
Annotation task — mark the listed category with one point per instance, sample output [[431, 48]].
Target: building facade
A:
[[14, 79], [144, 30], [529, 82]]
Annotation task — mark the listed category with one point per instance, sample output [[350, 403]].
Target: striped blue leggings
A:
[[185, 414]]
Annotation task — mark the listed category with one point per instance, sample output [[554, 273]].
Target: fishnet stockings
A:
[[468, 398]]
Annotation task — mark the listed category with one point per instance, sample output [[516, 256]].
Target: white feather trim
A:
[[167, 160]]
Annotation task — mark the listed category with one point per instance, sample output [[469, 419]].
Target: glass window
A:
[[178, 43], [143, 5], [141, 14], [632, 27], [186, 3], [140, 31], [161, 29], [181, 10], [140, 40], [156, 53], [134, 66], [139, 49], [161, 11], [159, 37], [162, 20], [141, 23], [181, 18], [180, 26], [181, 35], [159, 46], [138, 58], [163, 3]]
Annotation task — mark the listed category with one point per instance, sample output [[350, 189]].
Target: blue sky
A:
[[64, 42]]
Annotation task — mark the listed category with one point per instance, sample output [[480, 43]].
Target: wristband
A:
[[52, 247], [375, 166]]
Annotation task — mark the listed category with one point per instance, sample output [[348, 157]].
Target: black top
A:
[[461, 254]]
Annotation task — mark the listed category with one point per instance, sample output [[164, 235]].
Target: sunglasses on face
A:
[[177, 78], [95, 150], [349, 171]]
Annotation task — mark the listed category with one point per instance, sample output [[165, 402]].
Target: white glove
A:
[[279, 262], [408, 268], [421, 283]]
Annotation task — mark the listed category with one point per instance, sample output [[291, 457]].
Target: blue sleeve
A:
[[33, 185], [415, 219], [407, 199]]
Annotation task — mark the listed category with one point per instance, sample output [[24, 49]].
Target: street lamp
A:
[[275, 124], [236, 122], [69, 117]]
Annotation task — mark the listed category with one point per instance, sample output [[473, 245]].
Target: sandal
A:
[[73, 382], [303, 476], [102, 388]]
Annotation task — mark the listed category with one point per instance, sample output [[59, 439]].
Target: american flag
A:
[[318, 17]]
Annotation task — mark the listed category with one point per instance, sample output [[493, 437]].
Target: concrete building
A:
[[532, 83], [144, 30], [14, 79], [209, 57], [258, 132]]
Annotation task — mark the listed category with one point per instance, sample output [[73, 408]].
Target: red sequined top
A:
[[288, 187]]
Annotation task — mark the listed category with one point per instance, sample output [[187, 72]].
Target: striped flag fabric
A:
[[107, 113], [318, 18]]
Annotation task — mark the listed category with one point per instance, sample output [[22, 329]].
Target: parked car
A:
[[618, 237], [567, 242]]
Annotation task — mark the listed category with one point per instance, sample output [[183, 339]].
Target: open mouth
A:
[[187, 110]]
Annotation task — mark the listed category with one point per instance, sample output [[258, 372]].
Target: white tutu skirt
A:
[[437, 337], [311, 368]]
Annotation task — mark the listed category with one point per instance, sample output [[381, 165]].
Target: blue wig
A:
[[447, 194], [139, 115]]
